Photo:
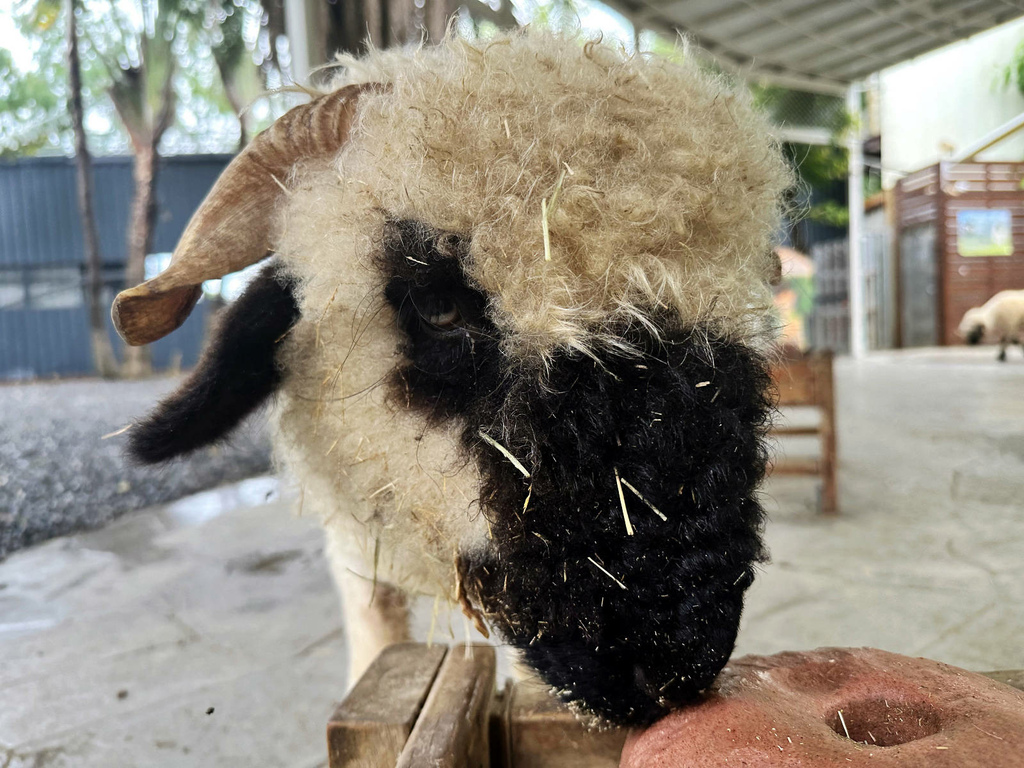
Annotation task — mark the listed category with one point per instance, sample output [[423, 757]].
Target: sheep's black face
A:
[[625, 617], [975, 336]]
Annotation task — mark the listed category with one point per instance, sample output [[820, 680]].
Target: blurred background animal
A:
[[1000, 320], [517, 324]]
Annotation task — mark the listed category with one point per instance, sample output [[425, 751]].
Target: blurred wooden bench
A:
[[420, 706], [437, 707], [805, 379]]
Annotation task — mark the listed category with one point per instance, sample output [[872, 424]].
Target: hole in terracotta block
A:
[[885, 723]]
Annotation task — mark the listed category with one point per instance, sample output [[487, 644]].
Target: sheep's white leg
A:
[[373, 618]]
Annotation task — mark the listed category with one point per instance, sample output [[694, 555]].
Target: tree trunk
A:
[[138, 360], [102, 351], [237, 104], [437, 14], [384, 23]]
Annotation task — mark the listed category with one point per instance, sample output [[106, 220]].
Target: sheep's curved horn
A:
[[233, 227]]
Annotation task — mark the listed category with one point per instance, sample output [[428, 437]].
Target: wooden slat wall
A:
[[937, 194], [971, 280]]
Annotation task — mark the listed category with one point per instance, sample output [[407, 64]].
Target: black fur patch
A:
[[426, 280], [234, 377], [976, 335], [624, 626]]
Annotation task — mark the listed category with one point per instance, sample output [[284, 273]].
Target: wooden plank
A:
[[500, 727], [806, 466], [796, 431], [795, 391], [543, 733], [452, 730], [371, 726], [829, 453]]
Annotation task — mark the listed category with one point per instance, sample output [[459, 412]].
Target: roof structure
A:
[[818, 45]]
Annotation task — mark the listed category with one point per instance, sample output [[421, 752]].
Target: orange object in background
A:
[[794, 296]]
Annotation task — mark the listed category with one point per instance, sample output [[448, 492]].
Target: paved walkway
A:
[[115, 644], [927, 555]]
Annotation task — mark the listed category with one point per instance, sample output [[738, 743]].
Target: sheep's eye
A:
[[446, 317]]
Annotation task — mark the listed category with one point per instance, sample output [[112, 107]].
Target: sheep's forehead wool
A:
[[594, 187]]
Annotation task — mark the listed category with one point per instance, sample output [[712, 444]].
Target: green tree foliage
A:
[[28, 109], [1013, 73], [818, 167], [219, 53], [32, 99]]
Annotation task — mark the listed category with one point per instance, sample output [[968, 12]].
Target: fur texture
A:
[[542, 253], [235, 376], [667, 204], [661, 184], [625, 618]]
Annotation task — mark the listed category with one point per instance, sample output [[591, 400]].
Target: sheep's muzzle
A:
[[618, 566]]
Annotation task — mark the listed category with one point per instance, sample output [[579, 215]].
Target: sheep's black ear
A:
[[236, 374]]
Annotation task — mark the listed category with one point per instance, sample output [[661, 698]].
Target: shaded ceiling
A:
[[821, 45]]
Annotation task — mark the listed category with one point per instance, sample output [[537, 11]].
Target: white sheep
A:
[[516, 326], [1000, 320]]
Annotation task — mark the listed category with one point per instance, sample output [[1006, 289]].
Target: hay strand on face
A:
[[433, 621], [642, 498], [606, 572], [554, 195], [504, 452], [622, 502], [470, 611], [545, 229]]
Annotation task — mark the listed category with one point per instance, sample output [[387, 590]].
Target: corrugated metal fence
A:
[[43, 316], [829, 326]]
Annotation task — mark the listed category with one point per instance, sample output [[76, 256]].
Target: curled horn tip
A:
[[142, 316], [233, 227]]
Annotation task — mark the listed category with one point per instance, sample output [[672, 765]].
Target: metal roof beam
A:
[[841, 65], [816, 48], [930, 9], [744, 68], [803, 53], [806, 23], [741, 20], [897, 18]]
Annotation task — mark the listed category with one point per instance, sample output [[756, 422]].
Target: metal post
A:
[[855, 145], [300, 23]]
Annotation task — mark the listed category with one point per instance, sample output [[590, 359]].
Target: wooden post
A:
[[453, 729], [825, 396], [370, 727], [543, 733]]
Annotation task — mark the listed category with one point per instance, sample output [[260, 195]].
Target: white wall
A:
[[943, 101]]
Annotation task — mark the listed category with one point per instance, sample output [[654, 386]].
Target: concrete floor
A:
[[927, 555], [115, 644]]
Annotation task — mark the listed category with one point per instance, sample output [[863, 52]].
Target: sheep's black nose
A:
[[618, 566]]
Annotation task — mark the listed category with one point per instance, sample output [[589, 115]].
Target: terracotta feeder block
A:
[[853, 707]]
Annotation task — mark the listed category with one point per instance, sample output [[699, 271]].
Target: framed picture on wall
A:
[[984, 232]]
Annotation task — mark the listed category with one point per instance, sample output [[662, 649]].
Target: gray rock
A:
[[58, 474]]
